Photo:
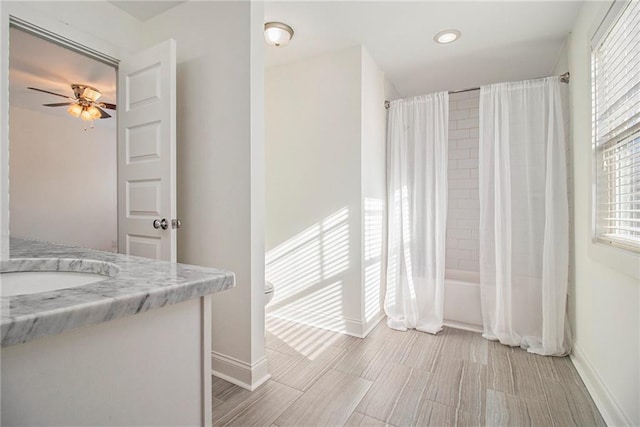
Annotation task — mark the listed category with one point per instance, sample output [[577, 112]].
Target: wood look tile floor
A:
[[392, 378]]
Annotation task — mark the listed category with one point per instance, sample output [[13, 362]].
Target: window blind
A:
[[616, 130]]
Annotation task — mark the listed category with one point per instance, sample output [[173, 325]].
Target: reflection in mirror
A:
[[62, 169]]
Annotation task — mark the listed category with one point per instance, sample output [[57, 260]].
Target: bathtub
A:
[[462, 300]]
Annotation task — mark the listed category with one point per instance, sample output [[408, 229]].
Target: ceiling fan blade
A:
[[103, 114], [52, 93], [57, 104], [107, 105]]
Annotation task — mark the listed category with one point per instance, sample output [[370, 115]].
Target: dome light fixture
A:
[[277, 34], [447, 36]]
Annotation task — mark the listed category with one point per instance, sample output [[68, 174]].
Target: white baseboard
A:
[[240, 373], [370, 326], [612, 413], [462, 325], [341, 324]]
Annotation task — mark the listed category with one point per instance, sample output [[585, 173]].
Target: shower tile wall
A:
[[463, 221]]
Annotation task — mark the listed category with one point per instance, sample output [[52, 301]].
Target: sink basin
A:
[[33, 282], [22, 276]]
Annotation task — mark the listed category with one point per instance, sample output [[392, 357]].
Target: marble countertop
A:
[[132, 285]]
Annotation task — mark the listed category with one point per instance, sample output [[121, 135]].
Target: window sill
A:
[[618, 259]]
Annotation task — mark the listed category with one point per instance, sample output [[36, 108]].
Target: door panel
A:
[[143, 143], [147, 152]]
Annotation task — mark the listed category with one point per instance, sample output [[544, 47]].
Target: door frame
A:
[[60, 40], [32, 22]]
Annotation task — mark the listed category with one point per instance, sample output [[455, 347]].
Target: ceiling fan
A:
[[84, 105]]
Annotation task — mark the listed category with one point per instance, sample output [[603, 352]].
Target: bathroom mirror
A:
[[62, 169]]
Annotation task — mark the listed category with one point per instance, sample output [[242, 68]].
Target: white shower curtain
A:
[[524, 216], [417, 212]]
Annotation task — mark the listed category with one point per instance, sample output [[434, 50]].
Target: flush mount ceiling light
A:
[[277, 34], [447, 36]]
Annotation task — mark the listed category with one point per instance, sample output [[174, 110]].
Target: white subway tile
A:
[[457, 233], [468, 143], [459, 134], [459, 193], [467, 163], [468, 224], [458, 254], [451, 264], [472, 204], [457, 96], [468, 123], [463, 203], [458, 114], [459, 154], [468, 265], [458, 173], [468, 103], [464, 213], [471, 184], [467, 244], [460, 183]]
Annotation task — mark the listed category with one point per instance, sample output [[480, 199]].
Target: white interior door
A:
[[147, 153]]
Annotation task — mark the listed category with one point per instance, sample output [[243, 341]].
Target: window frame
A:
[[599, 239]]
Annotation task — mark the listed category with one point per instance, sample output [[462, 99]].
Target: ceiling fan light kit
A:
[[75, 110], [89, 92], [84, 105], [94, 113]]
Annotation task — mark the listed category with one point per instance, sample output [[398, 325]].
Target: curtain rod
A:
[[564, 78]]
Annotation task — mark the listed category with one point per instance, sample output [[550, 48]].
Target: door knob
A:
[[160, 223], [176, 223]]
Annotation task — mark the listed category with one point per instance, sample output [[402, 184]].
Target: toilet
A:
[[268, 292]]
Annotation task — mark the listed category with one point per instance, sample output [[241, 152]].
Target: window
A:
[[616, 127]]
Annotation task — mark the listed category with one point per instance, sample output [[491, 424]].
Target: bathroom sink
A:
[[33, 282], [24, 276]]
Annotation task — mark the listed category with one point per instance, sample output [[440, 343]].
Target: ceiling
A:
[[34, 62], [501, 41], [144, 9]]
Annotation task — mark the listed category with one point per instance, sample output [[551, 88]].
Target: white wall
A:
[[313, 208], [606, 299], [463, 216], [220, 176], [373, 186], [325, 128], [62, 179]]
